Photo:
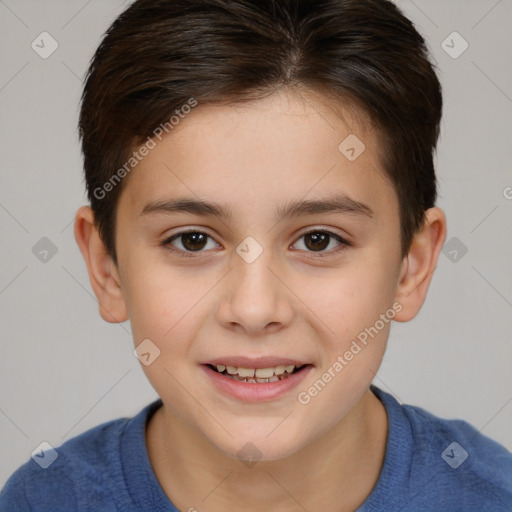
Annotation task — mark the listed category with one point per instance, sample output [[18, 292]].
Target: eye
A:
[[186, 243], [190, 241], [319, 240]]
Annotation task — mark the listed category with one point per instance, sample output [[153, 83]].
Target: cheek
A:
[[154, 299], [359, 309], [160, 313], [352, 299], [167, 305], [360, 312]]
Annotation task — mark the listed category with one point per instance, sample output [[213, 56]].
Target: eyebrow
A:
[[336, 204]]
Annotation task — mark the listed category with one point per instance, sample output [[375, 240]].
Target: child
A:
[[262, 196]]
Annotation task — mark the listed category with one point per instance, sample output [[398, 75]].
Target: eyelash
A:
[[194, 254]]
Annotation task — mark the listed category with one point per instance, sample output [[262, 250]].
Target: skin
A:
[[290, 302]]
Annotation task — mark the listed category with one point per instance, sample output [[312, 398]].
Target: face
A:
[[246, 239]]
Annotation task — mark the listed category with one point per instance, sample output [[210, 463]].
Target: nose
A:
[[255, 299]]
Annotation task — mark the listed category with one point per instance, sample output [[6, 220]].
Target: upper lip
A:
[[257, 362]]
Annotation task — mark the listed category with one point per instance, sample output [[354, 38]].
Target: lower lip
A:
[[256, 392]]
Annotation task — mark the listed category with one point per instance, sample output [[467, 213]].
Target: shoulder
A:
[[481, 456], [72, 476], [453, 462], [432, 463]]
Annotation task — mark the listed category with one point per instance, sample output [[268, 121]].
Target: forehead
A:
[[259, 155]]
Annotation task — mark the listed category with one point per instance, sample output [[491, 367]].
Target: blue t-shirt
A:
[[431, 464]]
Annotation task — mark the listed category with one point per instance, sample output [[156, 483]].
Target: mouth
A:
[[257, 375], [256, 379]]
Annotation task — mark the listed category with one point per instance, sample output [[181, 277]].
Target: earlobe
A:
[[419, 264], [103, 273]]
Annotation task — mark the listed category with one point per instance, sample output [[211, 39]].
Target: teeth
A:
[[279, 370], [247, 372], [263, 375], [270, 379]]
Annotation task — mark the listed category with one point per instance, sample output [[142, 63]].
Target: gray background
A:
[[64, 370]]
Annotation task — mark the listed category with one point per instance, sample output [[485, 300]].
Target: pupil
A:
[[319, 240], [194, 241]]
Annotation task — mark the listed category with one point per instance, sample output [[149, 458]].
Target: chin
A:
[[259, 446]]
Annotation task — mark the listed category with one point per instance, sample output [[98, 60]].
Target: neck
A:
[[334, 473]]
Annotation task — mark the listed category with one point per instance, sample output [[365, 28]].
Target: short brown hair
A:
[[160, 53]]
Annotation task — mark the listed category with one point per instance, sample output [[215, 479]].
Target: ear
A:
[[103, 273], [419, 264]]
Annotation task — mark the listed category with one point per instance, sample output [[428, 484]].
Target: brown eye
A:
[[194, 241], [189, 242], [319, 241]]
